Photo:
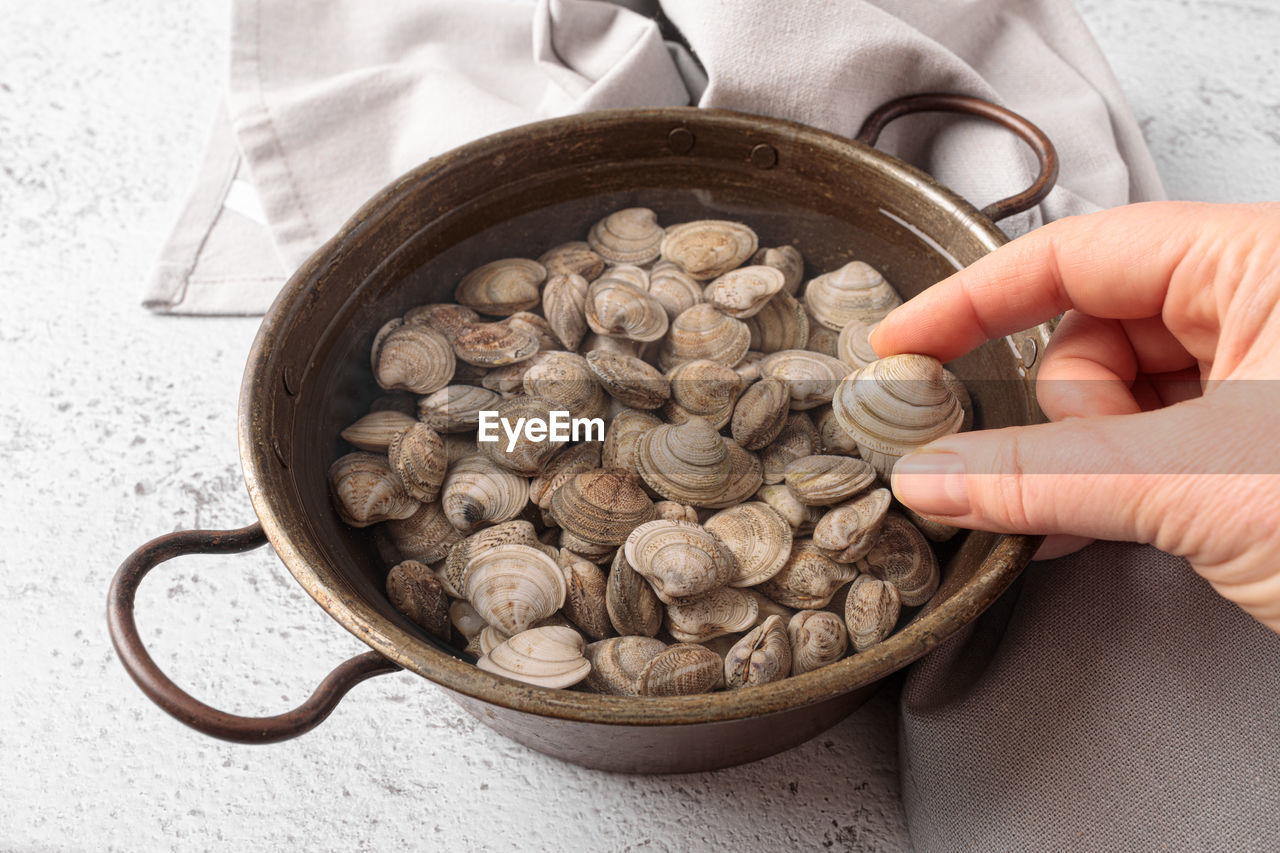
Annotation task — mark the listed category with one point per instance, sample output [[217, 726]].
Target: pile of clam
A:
[[732, 528]]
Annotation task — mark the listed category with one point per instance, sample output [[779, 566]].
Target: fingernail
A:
[[932, 482], [871, 338]]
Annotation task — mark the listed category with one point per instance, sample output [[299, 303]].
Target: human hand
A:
[[1160, 380]]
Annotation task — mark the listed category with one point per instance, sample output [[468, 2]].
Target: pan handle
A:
[[180, 704], [969, 105]]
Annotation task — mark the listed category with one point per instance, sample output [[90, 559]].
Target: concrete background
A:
[[118, 425]]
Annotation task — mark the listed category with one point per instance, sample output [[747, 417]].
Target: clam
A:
[[672, 511], [384, 331], [490, 638], [637, 277], [745, 477], [760, 414], [673, 288], [456, 408], [633, 607], [562, 468], [821, 339], [445, 317], [477, 493], [762, 656], [743, 292], [508, 380], [788, 261], [516, 531], [853, 347], [895, 405], [524, 454], [722, 611], [703, 332], [758, 538], [501, 288], [548, 657], [374, 431], [616, 307], [749, 368], [622, 439], [629, 380], [563, 299], [962, 394], [798, 438], [573, 258], [413, 358], [494, 344], [684, 669], [849, 530], [418, 459], [465, 619], [596, 552], [688, 463], [617, 662], [584, 602], [817, 639], [565, 381], [629, 236], [681, 561], [541, 329], [934, 531], [781, 324], [811, 377], [708, 247], [420, 596], [602, 506], [833, 440], [902, 557], [809, 578], [608, 343], [513, 586], [801, 518], [702, 388], [827, 480], [856, 291], [425, 536], [365, 490], [870, 611]]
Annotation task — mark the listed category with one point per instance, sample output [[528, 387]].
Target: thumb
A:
[[1100, 477]]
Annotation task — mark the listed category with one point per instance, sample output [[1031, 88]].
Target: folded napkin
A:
[[329, 100]]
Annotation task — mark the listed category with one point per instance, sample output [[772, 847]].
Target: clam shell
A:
[[821, 339], [573, 258], [633, 607], [745, 477], [895, 405], [811, 377], [418, 459], [681, 561], [853, 347], [673, 288], [596, 552], [615, 307], [637, 277], [817, 639], [517, 532], [779, 498], [602, 506], [456, 408], [672, 511], [809, 578], [758, 538], [584, 603], [477, 493], [786, 259], [415, 358], [465, 619], [494, 344], [608, 343], [781, 324], [420, 596], [629, 236], [688, 463], [762, 656], [374, 431], [856, 291], [760, 414], [366, 491], [833, 440], [622, 439], [749, 367], [703, 332], [501, 288], [551, 656], [708, 247], [528, 321], [827, 480], [513, 586], [684, 669], [565, 381], [870, 611], [849, 530], [629, 380], [962, 394], [508, 380], [743, 292], [902, 557], [618, 661], [524, 456], [722, 611], [490, 638], [798, 438], [425, 536], [705, 389], [563, 299], [561, 469], [380, 336], [445, 317]]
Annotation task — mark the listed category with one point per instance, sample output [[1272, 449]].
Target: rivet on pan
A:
[[681, 140], [290, 385], [764, 156], [1030, 349], [279, 451]]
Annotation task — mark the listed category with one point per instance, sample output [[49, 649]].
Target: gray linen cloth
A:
[[1110, 700]]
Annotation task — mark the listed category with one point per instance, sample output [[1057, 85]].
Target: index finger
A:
[[1115, 264]]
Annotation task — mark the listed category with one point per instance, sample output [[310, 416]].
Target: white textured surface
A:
[[118, 425]]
